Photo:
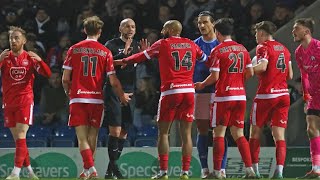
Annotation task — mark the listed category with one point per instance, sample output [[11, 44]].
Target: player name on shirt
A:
[[86, 50], [180, 45]]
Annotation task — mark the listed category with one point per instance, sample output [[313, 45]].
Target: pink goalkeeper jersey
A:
[[308, 61]]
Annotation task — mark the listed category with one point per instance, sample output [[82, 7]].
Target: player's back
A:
[[274, 79], [177, 58], [89, 62], [231, 59]]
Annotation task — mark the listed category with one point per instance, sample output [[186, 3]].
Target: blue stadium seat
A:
[[145, 142], [37, 141], [58, 141], [7, 143], [63, 137]]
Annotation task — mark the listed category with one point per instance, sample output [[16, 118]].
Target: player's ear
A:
[[84, 30]]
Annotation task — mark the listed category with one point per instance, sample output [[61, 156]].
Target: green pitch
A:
[[146, 178]]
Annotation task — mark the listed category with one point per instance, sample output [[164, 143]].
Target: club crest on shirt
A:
[[17, 73], [25, 62]]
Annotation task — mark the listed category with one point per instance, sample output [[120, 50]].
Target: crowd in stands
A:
[[53, 26]]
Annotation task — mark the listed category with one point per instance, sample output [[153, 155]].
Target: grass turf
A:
[[147, 178]]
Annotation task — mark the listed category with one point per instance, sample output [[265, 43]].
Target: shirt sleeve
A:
[[149, 53], [214, 58], [262, 53], [42, 68], [110, 68], [200, 55], [304, 78], [67, 64]]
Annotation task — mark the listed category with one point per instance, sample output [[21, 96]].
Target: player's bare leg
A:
[[313, 127], [185, 133], [89, 171], [19, 134], [163, 149], [244, 149], [93, 138], [254, 143], [278, 134]]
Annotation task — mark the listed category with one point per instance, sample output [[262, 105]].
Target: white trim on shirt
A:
[[67, 67]]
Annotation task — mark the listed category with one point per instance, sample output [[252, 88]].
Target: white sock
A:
[[92, 169], [279, 168], [16, 171], [203, 170], [255, 167], [316, 168], [249, 170], [185, 172], [163, 171], [223, 170], [30, 170], [217, 172], [86, 172]]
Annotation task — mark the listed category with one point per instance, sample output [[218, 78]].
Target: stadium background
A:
[[60, 26]]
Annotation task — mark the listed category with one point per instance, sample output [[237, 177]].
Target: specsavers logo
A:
[[142, 165], [49, 165], [17, 73]]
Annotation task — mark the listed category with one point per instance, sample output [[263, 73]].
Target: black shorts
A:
[[115, 113], [313, 112]]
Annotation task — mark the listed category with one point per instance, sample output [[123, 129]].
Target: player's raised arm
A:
[[4, 54], [214, 69], [290, 71], [147, 54], [40, 66], [262, 60]]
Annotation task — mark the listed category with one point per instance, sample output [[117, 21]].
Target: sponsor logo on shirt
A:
[[25, 62], [312, 58], [87, 92], [172, 85], [228, 88], [17, 73], [272, 90]]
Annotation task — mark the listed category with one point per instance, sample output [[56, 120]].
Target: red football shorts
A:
[[84, 114], [176, 107], [274, 110], [14, 115], [228, 113]]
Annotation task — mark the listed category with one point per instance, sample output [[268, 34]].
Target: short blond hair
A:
[[92, 25], [16, 28]]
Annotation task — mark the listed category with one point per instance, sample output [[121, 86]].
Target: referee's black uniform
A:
[[116, 114]]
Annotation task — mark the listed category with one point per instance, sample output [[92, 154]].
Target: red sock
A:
[[281, 149], [163, 161], [87, 158], [186, 159], [218, 152], [254, 149], [26, 161], [244, 149], [21, 152]]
